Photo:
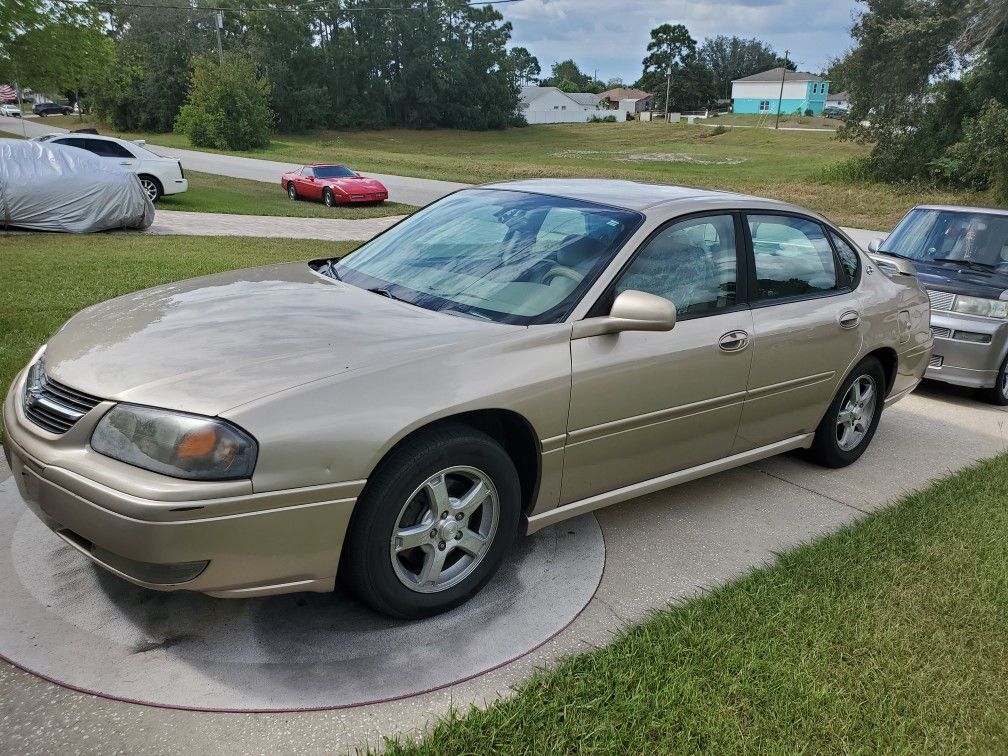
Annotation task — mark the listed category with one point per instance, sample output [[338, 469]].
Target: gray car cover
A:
[[50, 187]]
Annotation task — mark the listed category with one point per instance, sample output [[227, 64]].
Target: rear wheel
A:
[[850, 422], [999, 393], [433, 524], [292, 190], [151, 186]]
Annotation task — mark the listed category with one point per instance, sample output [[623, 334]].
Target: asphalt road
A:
[[405, 189]]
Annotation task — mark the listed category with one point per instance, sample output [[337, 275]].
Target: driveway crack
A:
[[813, 491]]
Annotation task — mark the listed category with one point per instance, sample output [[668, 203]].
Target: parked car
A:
[[961, 254], [506, 358], [158, 175], [10, 110], [44, 109], [333, 184], [46, 187], [833, 111]]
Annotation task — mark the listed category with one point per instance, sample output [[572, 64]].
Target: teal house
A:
[[759, 94]]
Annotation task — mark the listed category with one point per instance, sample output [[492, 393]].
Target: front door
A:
[[806, 329], [645, 404]]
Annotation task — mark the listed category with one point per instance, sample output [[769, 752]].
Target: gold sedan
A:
[[506, 358]]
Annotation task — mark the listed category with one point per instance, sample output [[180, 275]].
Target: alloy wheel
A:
[[445, 529], [150, 188], [291, 191], [328, 198], [857, 411]]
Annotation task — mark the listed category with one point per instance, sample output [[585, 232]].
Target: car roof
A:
[[637, 195], [326, 165], [964, 209]]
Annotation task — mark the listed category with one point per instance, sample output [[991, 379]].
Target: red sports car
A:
[[333, 184]]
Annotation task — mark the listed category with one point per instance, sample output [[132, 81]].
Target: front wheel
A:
[[292, 191], [851, 420], [433, 524], [327, 197], [999, 393]]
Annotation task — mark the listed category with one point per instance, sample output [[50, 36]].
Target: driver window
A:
[[306, 172], [692, 263]]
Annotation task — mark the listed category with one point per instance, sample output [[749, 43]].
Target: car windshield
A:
[[969, 237], [333, 171], [507, 256]]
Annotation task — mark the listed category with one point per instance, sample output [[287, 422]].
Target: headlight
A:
[[987, 308], [175, 444]]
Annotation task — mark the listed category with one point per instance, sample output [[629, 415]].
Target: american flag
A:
[[7, 93]]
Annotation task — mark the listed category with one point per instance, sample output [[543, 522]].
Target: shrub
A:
[[809, 113], [980, 160], [719, 130], [228, 105], [602, 119]]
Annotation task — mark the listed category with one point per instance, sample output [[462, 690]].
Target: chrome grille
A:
[[942, 333], [941, 300], [55, 407]]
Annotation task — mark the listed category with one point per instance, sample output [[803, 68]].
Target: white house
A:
[[761, 93], [839, 100], [550, 105]]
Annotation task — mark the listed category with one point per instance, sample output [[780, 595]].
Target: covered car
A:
[[47, 187]]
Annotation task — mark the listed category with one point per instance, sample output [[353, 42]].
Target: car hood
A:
[[209, 344], [360, 184], [960, 279]]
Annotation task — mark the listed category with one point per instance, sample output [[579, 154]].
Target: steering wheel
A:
[[562, 271]]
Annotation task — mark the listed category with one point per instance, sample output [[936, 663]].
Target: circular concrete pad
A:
[[71, 622]]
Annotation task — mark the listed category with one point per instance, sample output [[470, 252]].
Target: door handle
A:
[[733, 341], [850, 319]]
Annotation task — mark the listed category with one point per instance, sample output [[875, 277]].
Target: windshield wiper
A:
[[329, 269], [386, 293], [968, 263]]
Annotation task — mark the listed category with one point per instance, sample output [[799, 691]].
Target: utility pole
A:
[[220, 27], [668, 90], [780, 100]]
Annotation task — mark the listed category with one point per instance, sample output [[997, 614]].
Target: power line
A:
[[318, 6]]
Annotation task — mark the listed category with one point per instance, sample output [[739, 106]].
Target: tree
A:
[[567, 77], [731, 58], [523, 65], [673, 63], [228, 105]]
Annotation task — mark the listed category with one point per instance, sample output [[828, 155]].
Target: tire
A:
[[396, 509], [327, 197], [837, 445], [292, 191], [152, 186], [998, 395]]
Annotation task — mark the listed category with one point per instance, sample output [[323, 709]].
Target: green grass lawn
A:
[[786, 165], [890, 636], [209, 193], [96, 267]]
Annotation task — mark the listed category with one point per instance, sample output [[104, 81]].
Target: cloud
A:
[[612, 36]]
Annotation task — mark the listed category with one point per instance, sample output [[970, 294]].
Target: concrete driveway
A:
[[659, 548]]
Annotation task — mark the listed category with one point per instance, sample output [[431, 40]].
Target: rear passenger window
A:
[[848, 256], [105, 148], [793, 257]]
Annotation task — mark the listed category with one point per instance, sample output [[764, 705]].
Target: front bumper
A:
[[967, 363], [249, 544]]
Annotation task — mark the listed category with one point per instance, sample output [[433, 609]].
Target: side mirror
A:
[[874, 245], [631, 311], [312, 179], [893, 266]]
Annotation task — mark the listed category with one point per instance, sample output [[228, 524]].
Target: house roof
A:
[[531, 94], [583, 98], [774, 74], [624, 93], [838, 97]]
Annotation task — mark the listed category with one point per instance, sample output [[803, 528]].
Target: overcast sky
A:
[[612, 36]]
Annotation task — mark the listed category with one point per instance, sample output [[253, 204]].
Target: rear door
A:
[[645, 404], [806, 327]]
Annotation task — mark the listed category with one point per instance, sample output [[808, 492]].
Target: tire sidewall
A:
[[996, 395], [292, 191], [327, 197], [825, 448], [367, 551]]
